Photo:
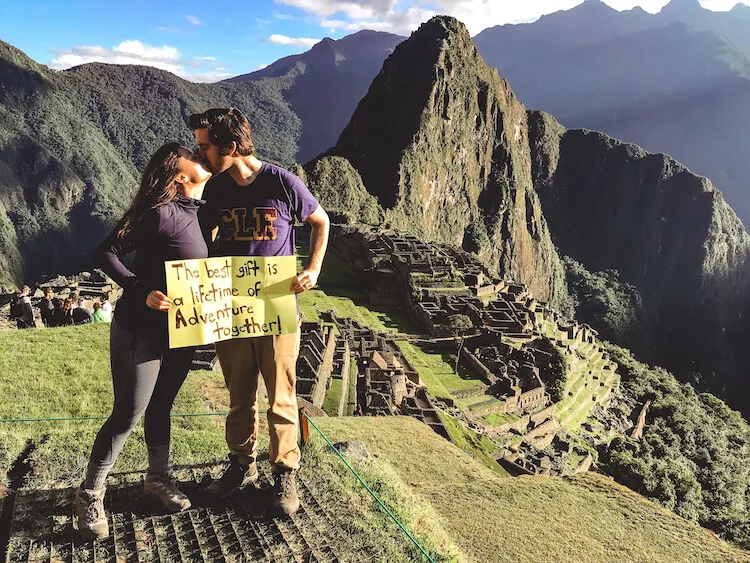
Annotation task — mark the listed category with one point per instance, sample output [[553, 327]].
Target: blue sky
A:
[[209, 41]]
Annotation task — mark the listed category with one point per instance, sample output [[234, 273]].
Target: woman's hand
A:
[[158, 301]]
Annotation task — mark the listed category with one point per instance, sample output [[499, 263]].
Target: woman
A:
[[161, 225], [98, 315], [58, 315]]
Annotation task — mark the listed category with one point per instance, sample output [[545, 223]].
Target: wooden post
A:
[[304, 426]]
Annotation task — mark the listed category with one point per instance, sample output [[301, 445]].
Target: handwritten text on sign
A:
[[230, 297]]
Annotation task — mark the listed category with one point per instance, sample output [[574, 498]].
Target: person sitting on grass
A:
[[67, 310], [106, 306], [47, 306], [81, 315], [161, 225], [98, 315]]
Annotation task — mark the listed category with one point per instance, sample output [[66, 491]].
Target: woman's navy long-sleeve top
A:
[[167, 232]]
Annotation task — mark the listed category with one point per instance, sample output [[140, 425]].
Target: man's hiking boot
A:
[[92, 520], [236, 476], [165, 488], [285, 496]]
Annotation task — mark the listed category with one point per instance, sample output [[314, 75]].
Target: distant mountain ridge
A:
[[675, 82], [324, 84]]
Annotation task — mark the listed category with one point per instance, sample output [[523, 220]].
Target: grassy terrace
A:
[[583, 383], [586, 519], [333, 398], [476, 445]]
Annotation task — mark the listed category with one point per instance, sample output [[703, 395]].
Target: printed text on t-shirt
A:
[[234, 224]]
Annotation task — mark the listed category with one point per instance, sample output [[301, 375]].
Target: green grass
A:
[[333, 397], [500, 418], [315, 301], [437, 371], [584, 519], [476, 445], [65, 372], [371, 530], [351, 404]]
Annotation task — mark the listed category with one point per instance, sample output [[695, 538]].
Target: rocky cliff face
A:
[[442, 141], [612, 206]]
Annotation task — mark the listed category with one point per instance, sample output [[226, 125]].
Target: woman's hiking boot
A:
[[166, 490], [235, 477], [285, 496], [92, 520]]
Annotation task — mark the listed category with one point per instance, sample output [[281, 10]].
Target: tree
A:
[[459, 325]]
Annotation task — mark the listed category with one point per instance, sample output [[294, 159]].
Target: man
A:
[[81, 315], [106, 306], [21, 309], [250, 210], [47, 307]]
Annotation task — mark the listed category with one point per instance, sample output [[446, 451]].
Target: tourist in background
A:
[[57, 317], [81, 315], [67, 312], [47, 307], [98, 315], [106, 306], [21, 310], [160, 225]]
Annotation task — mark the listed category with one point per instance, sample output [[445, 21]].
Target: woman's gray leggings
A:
[[146, 377]]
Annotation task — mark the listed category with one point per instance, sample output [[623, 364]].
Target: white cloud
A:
[[132, 52], [207, 77], [402, 17], [126, 53], [283, 17], [278, 39], [261, 67], [355, 9], [401, 22], [193, 19]]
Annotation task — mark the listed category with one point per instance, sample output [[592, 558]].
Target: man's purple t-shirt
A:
[[257, 219]]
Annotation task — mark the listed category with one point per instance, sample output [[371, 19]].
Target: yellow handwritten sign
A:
[[230, 297]]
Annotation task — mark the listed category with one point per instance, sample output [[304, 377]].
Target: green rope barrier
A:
[[369, 490], [81, 418]]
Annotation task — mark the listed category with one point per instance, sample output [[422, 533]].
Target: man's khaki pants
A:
[[275, 357]]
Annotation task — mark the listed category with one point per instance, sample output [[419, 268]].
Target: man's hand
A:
[[158, 301], [305, 280]]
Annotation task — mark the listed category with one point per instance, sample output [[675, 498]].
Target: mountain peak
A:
[[587, 8], [682, 7], [741, 9], [441, 26]]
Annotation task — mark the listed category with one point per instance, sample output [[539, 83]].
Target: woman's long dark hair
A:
[[158, 186]]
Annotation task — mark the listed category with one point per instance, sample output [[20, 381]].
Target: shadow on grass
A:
[[243, 528]]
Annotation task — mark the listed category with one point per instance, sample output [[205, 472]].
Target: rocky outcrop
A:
[[339, 189], [442, 141]]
